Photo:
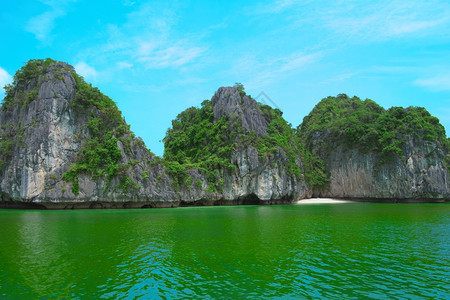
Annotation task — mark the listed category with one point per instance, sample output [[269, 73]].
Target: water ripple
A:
[[370, 251]]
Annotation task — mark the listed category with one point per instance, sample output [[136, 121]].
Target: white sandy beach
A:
[[322, 201]]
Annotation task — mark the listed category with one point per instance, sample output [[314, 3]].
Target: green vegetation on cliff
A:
[[366, 126], [196, 140], [24, 87], [280, 134], [100, 155], [199, 141], [103, 125], [21, 92], [12, 135]]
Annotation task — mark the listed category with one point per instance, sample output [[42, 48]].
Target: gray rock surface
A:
[[419, 176], [48, 135], [251, 182], [52, 134], [42, 134], [229, 102]]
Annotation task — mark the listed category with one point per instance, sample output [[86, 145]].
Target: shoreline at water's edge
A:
[[174, 204]]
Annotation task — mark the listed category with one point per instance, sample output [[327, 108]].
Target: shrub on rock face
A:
[[348, 136], [59, 132], [201, 139], [99, 123], [100, 156], [367, 126]]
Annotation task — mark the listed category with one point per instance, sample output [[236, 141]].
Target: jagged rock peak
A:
[[231, 102], [39, 79]]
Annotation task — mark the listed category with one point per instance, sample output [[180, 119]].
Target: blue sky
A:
[[157, 58]]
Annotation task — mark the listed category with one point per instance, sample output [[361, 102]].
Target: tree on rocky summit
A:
[[239, 86]]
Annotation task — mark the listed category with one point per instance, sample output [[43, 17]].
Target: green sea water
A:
[[331, 251]]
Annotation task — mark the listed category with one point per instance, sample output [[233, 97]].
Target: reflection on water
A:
[[347, 250], [41, 254]]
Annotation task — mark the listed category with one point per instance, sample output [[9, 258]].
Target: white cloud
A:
[[147, 39], [124, 65], [42, 25], [86, 71], [296, 61], [171, 56], [259, 72], [435, 83], [5, 79], [129, 3], [362, 20], [385, 20], [278, 6], [145, 48]]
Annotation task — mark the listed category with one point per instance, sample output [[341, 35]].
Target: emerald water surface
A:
[[353, 250]]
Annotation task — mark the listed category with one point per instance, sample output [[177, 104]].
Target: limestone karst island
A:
[[64, 144]]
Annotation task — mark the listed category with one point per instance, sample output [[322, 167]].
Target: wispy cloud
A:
[[86, 71], [395, 69], [171, 56], [124, 65], [42, 25], [296, 61], [385, 20], [258, 72], [362, 21], [129, 3], [148, 39], [5, 79], [435, 83], [275, 7]]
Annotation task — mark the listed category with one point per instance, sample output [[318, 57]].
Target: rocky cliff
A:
[[418, 176], [372, 154], [229, 141], [63, 144], [49, 131], [233, 103]]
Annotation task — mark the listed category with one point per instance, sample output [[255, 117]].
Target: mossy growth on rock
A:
[[198, 140], [366, 126], [24, 87], [280, 134], [100, 157]]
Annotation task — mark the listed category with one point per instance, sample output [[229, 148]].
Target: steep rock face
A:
[[266, 179], [228, 101], [42, 134], [372, 154], [53, 127], [63, 144], [46, 144], [419, 176], [253, 181], [245, 139]]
